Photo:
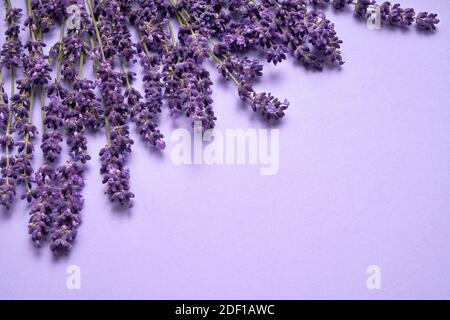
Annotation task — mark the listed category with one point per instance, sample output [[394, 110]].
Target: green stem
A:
[[107, 126], [9, 116], [28, 5], [30, 110], [97, 32], [125, 71], [80, 73], [8, 127], [172, 34], [43, 109], [60, 53], [182, 20], [99, 40]]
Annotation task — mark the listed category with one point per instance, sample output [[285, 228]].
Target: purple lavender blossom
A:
[[55, 113], [113, 155], [68, 203], [4, 110], [11, 53], [188, 87], [115, 176], [36, 64], [26, 132], [45, 14], [427, 21], [87, 103], [43, 207]]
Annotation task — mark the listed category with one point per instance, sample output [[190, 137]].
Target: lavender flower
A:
[[45, 14], [7, 183], [113, 155], [68, 203], [115, 176], [87, 104], [43, 207], [114, 33], [26, 131], [392, 14], [188, 88], [55, 112], [36, 65], [4, 111], [10, 58], [11, 53], [75, 128]]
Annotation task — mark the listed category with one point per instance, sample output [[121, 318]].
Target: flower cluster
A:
[[68, 205], [7, 185], [392, 14], [234, 35], [143, 112], [150, 19], [10, 58], [73, 45], [44, 206], [188, 87], [11, 52]]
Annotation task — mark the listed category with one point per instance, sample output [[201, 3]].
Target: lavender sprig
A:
[[41, 214], [10, 58], [392, 14], [113, 156], [69, 203]]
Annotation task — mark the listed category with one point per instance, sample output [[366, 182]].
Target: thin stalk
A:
[[30, 110], [43, 109], [60, 53], [80, 73], [28, 5], [27, 137], [91, 41], [97, 32], [172, 34], [125, 71], [182, 20], [107, 126], [99, 40], [8, 127]]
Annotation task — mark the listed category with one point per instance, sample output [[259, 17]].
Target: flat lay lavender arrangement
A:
[[176, 39]]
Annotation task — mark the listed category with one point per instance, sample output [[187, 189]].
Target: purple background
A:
[[364, 179]]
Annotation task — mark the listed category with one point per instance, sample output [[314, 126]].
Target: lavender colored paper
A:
[[364, 180]]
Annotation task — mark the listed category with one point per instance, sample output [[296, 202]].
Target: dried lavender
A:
[[36, 74], [53, 122], [41, 213], [113, 156], [11, 52], [10, 58], [150, 23], [69, 203], [71, 47], [71, 106], [392, 14], [240, 70], [7, 184]]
